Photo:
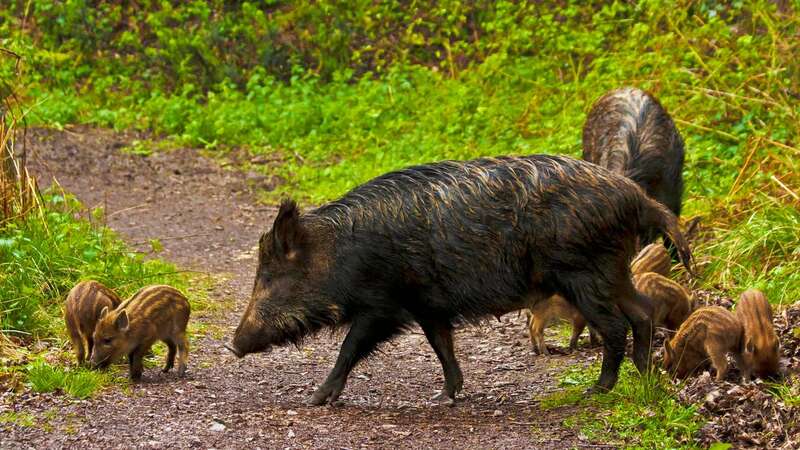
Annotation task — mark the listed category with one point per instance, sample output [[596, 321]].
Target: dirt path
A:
[[208, 220]]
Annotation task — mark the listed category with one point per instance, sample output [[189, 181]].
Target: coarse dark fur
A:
[[81, 311], [761, 349], [154, 313], [453, 242], [628, 132]]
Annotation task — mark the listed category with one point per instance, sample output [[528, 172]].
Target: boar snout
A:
[[232, 348]]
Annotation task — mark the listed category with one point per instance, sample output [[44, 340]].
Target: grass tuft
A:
[[79, 383]]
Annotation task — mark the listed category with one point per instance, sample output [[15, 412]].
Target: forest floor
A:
[[209, 220]]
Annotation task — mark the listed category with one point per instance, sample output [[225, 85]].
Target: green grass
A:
[[21, 419], [641, 412], [79, 383]]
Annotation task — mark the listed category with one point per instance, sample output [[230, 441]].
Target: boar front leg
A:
[[135, 363], [364, 336], [440, 336]]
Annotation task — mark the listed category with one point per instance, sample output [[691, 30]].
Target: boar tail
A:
[[655, 216]]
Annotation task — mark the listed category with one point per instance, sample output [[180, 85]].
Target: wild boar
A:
[[81, 311], [453, 242], [761, 346], [546, 312], [153, 313], [671, 303], [628, 132], [711, 333], [653, 258]]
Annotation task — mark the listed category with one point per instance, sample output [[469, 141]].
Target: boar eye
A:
[[106, 341]]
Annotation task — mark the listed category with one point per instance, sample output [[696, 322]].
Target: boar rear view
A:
[[454, 242], [82, 309], [629, 132], [761, 343], [154, 313]]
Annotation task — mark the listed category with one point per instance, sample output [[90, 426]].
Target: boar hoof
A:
[[325, 394], [444, 398], [597, 389]]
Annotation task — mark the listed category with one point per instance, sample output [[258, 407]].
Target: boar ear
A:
[[122, 321], [103, 313], [288, 235], [749, 347], [668, 347]]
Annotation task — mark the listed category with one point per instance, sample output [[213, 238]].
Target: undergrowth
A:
[[641, 411], [45, 255]]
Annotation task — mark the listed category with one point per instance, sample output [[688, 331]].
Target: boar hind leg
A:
[[363, 338], [440, 336], [578, 324], [77, 345], [636, 309], [608, 322], [172, 349], [89, 345], [183, 354]]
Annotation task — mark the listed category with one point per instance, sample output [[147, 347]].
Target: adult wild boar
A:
[[628, 132], [453, 242]]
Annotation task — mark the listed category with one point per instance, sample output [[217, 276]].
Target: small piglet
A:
[[83, 306], [761, 344], [153, 313], [653, 258], [709, 333], [671, 304], [546, 312]]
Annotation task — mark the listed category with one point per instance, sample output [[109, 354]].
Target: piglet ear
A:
[[288, 234], [103, 313], [122, 322]]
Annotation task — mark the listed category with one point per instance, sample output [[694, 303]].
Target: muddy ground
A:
[[208, 220]]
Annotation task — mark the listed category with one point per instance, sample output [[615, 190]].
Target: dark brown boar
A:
[[453, 242], [671, 303], [153, 313], [546, 312], [628, 132], [653, 258], [761, 343], [83, 306], [711, 333]]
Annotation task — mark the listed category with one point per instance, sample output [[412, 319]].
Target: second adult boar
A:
[[628, 132], [454, 242]]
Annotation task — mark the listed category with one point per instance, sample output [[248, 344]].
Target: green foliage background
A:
[[342, 91]]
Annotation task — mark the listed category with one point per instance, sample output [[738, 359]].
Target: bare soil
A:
[[208, 220]]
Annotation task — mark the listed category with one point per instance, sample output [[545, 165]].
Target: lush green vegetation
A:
[[344, 91], [641, 411], [43, 256]]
